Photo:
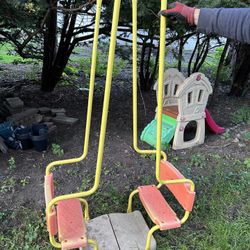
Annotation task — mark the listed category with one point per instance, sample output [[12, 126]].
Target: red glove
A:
[[180, 12]]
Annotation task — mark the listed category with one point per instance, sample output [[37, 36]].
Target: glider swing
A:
[[68, 226]]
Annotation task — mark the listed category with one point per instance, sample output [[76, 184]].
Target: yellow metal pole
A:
[[178, 181], [93, 243], [111, 57], [129, 209], [185, 217], [90, 96], [149, 236], [160, 88], [135, 112]]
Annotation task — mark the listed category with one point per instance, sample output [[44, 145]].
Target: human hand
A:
[[180, 12]]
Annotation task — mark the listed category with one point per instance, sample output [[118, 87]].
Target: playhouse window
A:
[[166, 89], [200, 95], [175, 88], [190, 97]]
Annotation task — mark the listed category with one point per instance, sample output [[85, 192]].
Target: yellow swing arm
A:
[[92, 190], [135, 112], [158, 151]]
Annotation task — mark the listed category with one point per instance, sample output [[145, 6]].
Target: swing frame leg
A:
[[129, 209], [150, 233]]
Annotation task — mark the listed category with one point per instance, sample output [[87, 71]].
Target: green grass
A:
[[219, 220], [241, 115], [8, 54], [23, 229]]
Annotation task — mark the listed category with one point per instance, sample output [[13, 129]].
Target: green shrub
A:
[[211, 63], [101, 65]]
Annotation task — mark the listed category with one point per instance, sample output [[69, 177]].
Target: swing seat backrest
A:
[[182, 191], [49, 195], [66, 219]]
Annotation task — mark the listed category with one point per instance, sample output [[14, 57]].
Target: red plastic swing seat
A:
[[155, 204], [157, 208], [71, 226], [66, 219]]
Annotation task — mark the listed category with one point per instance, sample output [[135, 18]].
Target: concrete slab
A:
[[26, 117], [131, 231], [44, 110], [101, 230], [65, 120], [13, 111], [47, 118], [60, 114], [14, 102], [119, 231], [58, 110]]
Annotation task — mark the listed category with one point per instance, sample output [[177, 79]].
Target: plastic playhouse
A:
[[68, 221], [184, 102]]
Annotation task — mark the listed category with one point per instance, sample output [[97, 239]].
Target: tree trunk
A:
[[241, 70], [146, 74], [193, 54], [56, 57], [180, 54], [219, 68], [48, 77]]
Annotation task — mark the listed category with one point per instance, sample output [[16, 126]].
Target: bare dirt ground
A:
[[123, 169]]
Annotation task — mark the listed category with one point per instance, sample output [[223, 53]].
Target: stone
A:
[[14, 105], [14, 102], [65, 120], [60, 114], [47, 118], [38, 118], [58, 110], [51, 127], [49, 124], [25, 118], [13, 111], [44, 110], [3, 147]]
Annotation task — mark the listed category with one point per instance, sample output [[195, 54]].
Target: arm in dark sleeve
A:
[[230, 23]]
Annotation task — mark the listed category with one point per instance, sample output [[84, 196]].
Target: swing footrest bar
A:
[[71, 225], [157, 208]]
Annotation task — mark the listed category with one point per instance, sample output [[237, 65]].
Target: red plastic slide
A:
[[212, 124]]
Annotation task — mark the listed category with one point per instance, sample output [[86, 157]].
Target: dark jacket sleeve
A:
[[230, 23]]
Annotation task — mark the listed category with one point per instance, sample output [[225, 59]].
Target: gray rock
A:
[[47, 118], [60, 114], [65, 120], [58, 110], [14, 102], [26, 117], [44, 110]]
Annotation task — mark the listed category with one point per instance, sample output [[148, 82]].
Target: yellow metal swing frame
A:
[[159, 154]]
